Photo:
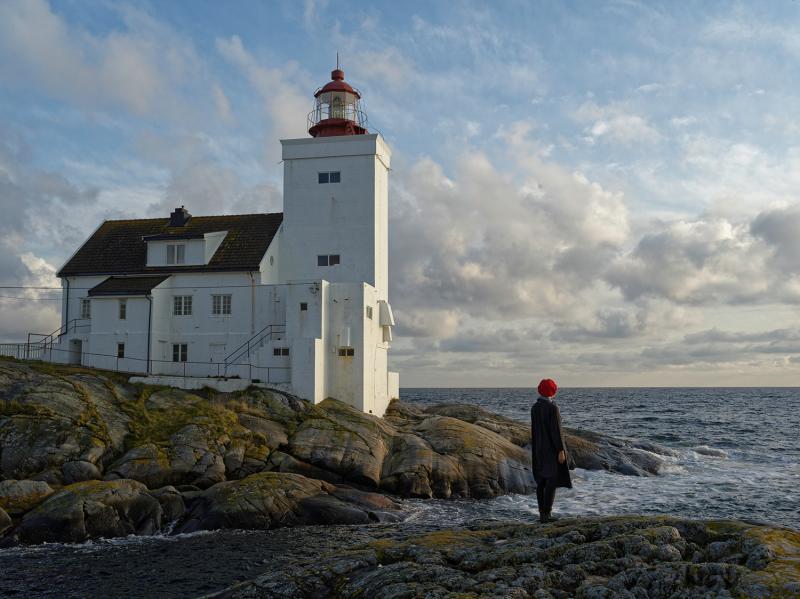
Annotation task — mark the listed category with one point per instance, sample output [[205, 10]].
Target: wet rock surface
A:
[[270, 500], [64, 426], [626, 557], [598, 557]]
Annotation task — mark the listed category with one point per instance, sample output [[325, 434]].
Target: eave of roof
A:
[[125, 286]]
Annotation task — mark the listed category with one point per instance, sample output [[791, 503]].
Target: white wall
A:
[[336, 218], [195, 253], [207, 336]]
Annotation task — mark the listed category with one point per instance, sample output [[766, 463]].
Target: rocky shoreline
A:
[[84, 454], [625, 557]]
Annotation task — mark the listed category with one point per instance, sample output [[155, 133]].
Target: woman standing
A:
[[548, 449]]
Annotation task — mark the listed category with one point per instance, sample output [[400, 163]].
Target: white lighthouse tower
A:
[[336, 192], [335, 230]]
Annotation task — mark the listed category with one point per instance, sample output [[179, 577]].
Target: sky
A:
[[607, 194]]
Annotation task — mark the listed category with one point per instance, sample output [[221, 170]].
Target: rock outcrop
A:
[[626, 557], [20, 496], [271, 499], [92, 509], [73, 427]]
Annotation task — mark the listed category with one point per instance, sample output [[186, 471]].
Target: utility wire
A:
[[32, 299], [32, 288]]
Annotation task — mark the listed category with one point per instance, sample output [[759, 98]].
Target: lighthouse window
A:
[[329, 260], [337, 108], [329, 177]]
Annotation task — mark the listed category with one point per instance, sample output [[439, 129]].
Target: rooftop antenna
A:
[[337, 59]]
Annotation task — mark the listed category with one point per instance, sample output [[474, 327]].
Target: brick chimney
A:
[[179, 217]]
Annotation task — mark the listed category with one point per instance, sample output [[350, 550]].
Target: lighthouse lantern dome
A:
[[337, 109]]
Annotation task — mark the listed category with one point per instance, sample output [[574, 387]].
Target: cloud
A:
[[284, 101], [137, 67], [33, 202], [206, 176], [780, 230], [614, 123], [222, 104]]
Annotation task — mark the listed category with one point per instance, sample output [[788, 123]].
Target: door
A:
[[217, 358], [75, 351]]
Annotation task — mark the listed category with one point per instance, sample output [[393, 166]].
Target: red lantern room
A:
[[337, 109]]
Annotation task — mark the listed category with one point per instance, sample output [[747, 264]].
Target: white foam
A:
[[710, 451]]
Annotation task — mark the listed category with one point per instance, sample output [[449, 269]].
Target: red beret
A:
[[547, 388]]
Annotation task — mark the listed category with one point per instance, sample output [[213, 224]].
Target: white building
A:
[[298, 299]]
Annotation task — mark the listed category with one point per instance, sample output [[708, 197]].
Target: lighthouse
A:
[[336, 229], [336, 194], [297, 300]]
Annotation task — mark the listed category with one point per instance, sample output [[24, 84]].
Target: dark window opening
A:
[[329, 260], [347, 351], [303, 306], [280, 351], [329, 177], [120, 350], [180, 352]]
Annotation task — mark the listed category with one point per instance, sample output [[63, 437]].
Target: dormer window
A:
[[176, 253]]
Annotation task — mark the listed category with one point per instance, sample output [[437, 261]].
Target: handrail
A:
[[244, 348], [48, 340]]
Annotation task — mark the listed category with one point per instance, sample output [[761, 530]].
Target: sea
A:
[[736, 454]]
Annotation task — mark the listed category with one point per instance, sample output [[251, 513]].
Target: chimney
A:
[[179, 217]]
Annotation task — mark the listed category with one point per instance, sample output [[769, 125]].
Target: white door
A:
[[217, 358]]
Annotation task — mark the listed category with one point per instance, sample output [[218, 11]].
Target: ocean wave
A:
[[710, 451]]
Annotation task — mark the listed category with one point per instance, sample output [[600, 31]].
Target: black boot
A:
[[542, 517]]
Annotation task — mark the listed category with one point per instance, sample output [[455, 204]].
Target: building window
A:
[[280, 351], [303, 306], [182, 305], [123, 309], [120, 350], [221, 305], [347, 351], [176, 254], [369, 312], [180, 352], [329, 177], [86, 308], [328, 260]]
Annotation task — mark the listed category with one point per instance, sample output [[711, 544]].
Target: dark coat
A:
[[547, 439]]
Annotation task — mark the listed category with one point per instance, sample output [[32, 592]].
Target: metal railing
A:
[[255, 342], [46, 340], [22, 351], [348, 112], [143, 366]]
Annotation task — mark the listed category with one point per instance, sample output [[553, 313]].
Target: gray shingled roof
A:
[[118, 247]]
